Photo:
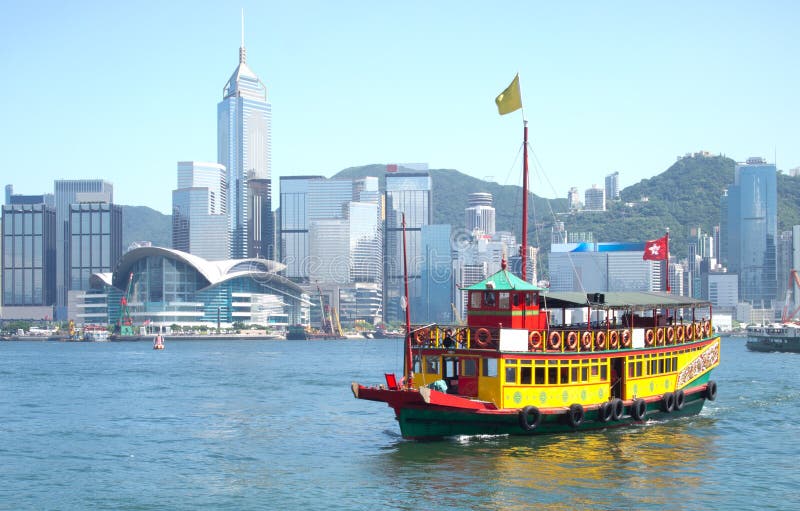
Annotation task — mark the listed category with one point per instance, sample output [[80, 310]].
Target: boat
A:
[[158, 342], [780, 337], [95, 333], [532, 362]]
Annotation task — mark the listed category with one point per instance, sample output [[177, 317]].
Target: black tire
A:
[[604, 412], [575, 415], [667, 402], [638, 409], [711, 390], [680, 399], [529, 418], [617, 409]]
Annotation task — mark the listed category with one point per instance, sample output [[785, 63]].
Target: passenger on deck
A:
[[449, 342]]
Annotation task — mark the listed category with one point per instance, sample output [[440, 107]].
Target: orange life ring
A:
[[707, 328], [535, 340], [422, 336], [689, 332], [586, 341], [600, 340], [679, 333], [626, 339], [670, 335], [483, 337], [649, 337], [554, 342], [698, 330], [572, 341], [613, 339], [660, 336]]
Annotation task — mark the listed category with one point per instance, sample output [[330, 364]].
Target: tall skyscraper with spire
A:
[[244, 146]]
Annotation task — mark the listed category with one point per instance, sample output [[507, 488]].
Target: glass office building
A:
[[599, 267], [244, 138], [752, 228], [29, 255], [199, 211], [95, 241]]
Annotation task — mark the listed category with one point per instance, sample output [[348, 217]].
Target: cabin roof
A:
[[503, 280], [637, 301]]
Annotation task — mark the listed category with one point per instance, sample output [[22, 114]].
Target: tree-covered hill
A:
[[140, 223]]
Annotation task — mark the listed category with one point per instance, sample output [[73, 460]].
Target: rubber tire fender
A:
[[529, 425], [617, 409], [575, 415], [605, 412], [638, 409], [680, 399], [711, 390], [667, 402]]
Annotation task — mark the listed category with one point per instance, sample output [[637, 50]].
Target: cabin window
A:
[[515, 299], [565, 374], [661, 368], [604, 372], [469, 367], [416, 364], [552, 375], [475, 300], [503, 302], [489, 367], [674, 364], [432, 365], [539, 376], [584, 374], [526, 375], [489, 299], [529, 298], [575, 372], [511, 371]]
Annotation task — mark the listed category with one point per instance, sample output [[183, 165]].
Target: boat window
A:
[[539, 376], [604, 372], [432, 365], [511, 372], [475, 300], [529, 299], [661, 368], [490, 367], [417, 364], [515, 300], [565, 374], [488, 299], [638, 368], [584, 374], [552, 375], [469, 367], [503, 302], [525, 375], [674, 363]]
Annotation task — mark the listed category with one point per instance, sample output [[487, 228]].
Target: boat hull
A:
[[774, 345]]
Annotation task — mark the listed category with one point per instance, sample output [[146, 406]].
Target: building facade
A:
[[199, 211], [594, 199], [480, 214], [599, 267], [244, 147], [612, 186]]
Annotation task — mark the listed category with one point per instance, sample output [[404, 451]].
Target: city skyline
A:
[[346, 93]]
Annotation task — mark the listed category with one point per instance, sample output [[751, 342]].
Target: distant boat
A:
[[94, 333], [781, 337]]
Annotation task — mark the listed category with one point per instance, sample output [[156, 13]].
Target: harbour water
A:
[[273, 425]]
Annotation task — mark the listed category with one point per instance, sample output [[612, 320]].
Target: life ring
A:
[[638, 409], [649, 337], [586, 341], [698, 331], [617, 408], [572, 341], [707, 328], [535, 340], [667, 402], [680, 398], [529, 418], [422, 336], [626, 339], [483, 337], [600, 340], [605, 412], [689, 332], [613, 339], [679, 333], [670, 335], [711, 390], [554, 341], [660, 336], [575, 415]]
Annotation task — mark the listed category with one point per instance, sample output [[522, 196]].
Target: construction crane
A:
[[124, 324]]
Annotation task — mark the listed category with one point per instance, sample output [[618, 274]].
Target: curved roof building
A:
[[166, 286]]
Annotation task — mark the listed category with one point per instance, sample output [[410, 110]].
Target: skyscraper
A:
[[480, 214], [594, 199], [244, 147], [612, 186], [199, 211], [752, 229]]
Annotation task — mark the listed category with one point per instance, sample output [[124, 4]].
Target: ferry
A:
[[95, 333], [778, 337], [533, 362]]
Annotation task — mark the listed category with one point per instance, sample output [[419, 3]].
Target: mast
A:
[[524, 248], [668, 288], [408, 363]]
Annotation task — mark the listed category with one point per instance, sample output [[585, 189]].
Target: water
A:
[[273, 425]]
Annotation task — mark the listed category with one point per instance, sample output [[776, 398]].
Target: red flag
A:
[[656, 250]]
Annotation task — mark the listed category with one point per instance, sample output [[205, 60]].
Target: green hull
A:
[[428, 423], [773, 345]]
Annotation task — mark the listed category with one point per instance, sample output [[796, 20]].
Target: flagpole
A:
[[524, 249], [668, 288]]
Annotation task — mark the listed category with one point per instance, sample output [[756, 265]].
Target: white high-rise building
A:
[[480, 214], [199, 211]]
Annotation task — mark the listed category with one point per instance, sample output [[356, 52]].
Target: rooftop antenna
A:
[[242, 51]]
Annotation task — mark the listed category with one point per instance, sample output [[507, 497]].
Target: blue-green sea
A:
[[273, 425]]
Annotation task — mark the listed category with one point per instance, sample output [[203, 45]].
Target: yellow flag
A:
[[510, 99]]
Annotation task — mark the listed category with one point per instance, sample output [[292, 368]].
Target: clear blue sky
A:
[[124, 90]]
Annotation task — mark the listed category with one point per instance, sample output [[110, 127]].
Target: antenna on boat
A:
[[407, 364]]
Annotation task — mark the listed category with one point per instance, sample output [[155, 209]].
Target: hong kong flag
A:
[[656, 250]]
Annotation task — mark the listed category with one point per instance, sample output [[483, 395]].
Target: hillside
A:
[[140, 223]]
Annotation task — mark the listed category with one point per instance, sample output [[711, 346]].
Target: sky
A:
[[124, 90]]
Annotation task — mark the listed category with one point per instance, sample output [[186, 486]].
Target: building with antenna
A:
[[244, 147]]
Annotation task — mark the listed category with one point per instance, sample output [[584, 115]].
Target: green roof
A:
[[503, 281]]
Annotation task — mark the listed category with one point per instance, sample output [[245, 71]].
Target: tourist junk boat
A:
[[522, 366]]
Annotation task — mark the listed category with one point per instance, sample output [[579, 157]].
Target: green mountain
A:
[[140, 223]]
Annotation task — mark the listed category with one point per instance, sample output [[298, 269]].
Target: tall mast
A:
[[524, 248], [408, 363]]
